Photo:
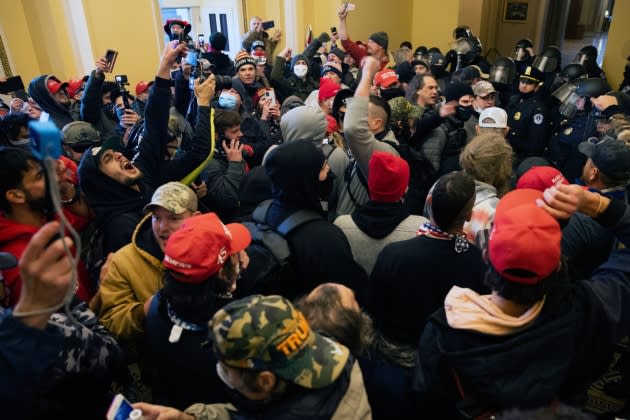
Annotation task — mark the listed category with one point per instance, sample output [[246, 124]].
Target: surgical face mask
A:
[[228, 101], [300, 70]]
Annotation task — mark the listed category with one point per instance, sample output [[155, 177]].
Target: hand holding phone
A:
[[121, 409], [110, 57], [350, 6], [268, 24], [271, 95]]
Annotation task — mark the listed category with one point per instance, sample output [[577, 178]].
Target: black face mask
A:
[[392, 93], [325, 187], [110, 110], [463, 113]]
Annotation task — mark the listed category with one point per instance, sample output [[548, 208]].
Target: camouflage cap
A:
[[268, 333], [403, 109], [174, 197]]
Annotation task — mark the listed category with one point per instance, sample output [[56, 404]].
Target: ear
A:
[[266, 381], [15, 196]]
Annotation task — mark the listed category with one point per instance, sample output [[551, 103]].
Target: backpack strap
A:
[[297, 219], [260, 212]]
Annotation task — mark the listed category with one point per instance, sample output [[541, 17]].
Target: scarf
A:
[[461, 243]]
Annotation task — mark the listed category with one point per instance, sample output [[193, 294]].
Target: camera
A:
[[121, 81], [203, 69]]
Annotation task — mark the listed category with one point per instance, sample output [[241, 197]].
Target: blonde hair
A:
[[488, 158]]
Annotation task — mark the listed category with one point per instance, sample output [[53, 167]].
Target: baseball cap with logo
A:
[[54, 85], [493, 117], [385, 78], [611, 156], [268, 333], [328, 88], [483, 88], [540, 178], [174, 197], [201, 246], [524, 243], [75, 86]]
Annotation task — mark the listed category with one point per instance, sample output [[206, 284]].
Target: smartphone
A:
[[271, 94], [121, 409], [11, 85], [333, 30], [191, 57], [201, 39], [350, 6], [268, 24], [110, 57]]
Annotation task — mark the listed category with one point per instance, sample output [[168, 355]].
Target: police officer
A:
[[523, 55], [527, 117]]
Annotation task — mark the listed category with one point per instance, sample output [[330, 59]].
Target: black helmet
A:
[[588, 53], [502, 71], [572, 72], [549, 60], [421, 53], [462, 31], [520, 50], [592, 87]]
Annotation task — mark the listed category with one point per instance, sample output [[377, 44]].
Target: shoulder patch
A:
[[538, 119]]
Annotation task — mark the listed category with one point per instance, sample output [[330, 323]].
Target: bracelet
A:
[[600, 205], [73, 199]]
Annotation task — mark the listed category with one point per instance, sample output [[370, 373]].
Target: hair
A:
[[406, 44], [224, 120], [402, 55], [488, 158], [325, 312], [384, 108], [523, 294], [11, 125], [415, 84], [491, 130], [15, 163], [452, 199]]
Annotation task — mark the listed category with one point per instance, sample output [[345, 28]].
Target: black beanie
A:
[[218, 41], [454, 91], [380, 38]]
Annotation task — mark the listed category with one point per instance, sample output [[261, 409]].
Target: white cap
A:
[[498, 116]]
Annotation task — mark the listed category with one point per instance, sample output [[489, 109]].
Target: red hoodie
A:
[[13, 238]]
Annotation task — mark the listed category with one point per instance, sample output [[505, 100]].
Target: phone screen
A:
[[191, 58], [120, 409], [268, 24]]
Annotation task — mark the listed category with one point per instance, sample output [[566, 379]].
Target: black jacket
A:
[[59, 114], [92, 106], [223, 65], [556, 357]]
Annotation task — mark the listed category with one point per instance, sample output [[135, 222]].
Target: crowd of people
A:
[[342, 232]]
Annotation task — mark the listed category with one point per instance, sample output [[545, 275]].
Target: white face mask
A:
[[300, 70], [223, 376]]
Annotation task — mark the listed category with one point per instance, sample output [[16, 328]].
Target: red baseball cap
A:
[[53, 84], [328, 88], [74, 85], [385, 78], [142, 87], [202, 245], [524, 243], [540, 178]]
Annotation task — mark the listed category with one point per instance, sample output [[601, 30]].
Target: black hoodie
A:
[[320, 252], [59, 114], [223, 65]]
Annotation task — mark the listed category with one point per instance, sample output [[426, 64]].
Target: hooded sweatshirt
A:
[[59, 114]]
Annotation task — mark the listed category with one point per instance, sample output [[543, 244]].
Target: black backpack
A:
[[269, 251]]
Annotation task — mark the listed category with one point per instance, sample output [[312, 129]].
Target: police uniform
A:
[[563, 146], [528, 121]]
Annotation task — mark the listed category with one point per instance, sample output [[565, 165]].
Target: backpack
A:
[[269, 250]]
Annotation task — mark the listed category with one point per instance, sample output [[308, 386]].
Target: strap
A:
[[297, 219], [260, 212]]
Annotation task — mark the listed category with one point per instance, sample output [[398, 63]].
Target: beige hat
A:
[[174, 197]]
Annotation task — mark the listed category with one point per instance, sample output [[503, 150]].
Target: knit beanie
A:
[[242, 59], [380, 38], [454, 91], [338, 52], [334, 67], [388, 177]]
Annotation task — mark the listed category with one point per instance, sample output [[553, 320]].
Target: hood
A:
[[39, 92], [217, 58], [11, 231], [144, 242], [294, 172], [106, 196], [378, 219], [304, 123], [299, 57], [529, 365]]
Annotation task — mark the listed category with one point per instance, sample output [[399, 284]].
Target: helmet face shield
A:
[[546, 64], [571, 104], [520, 54], [581, 58], [502, 71]]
